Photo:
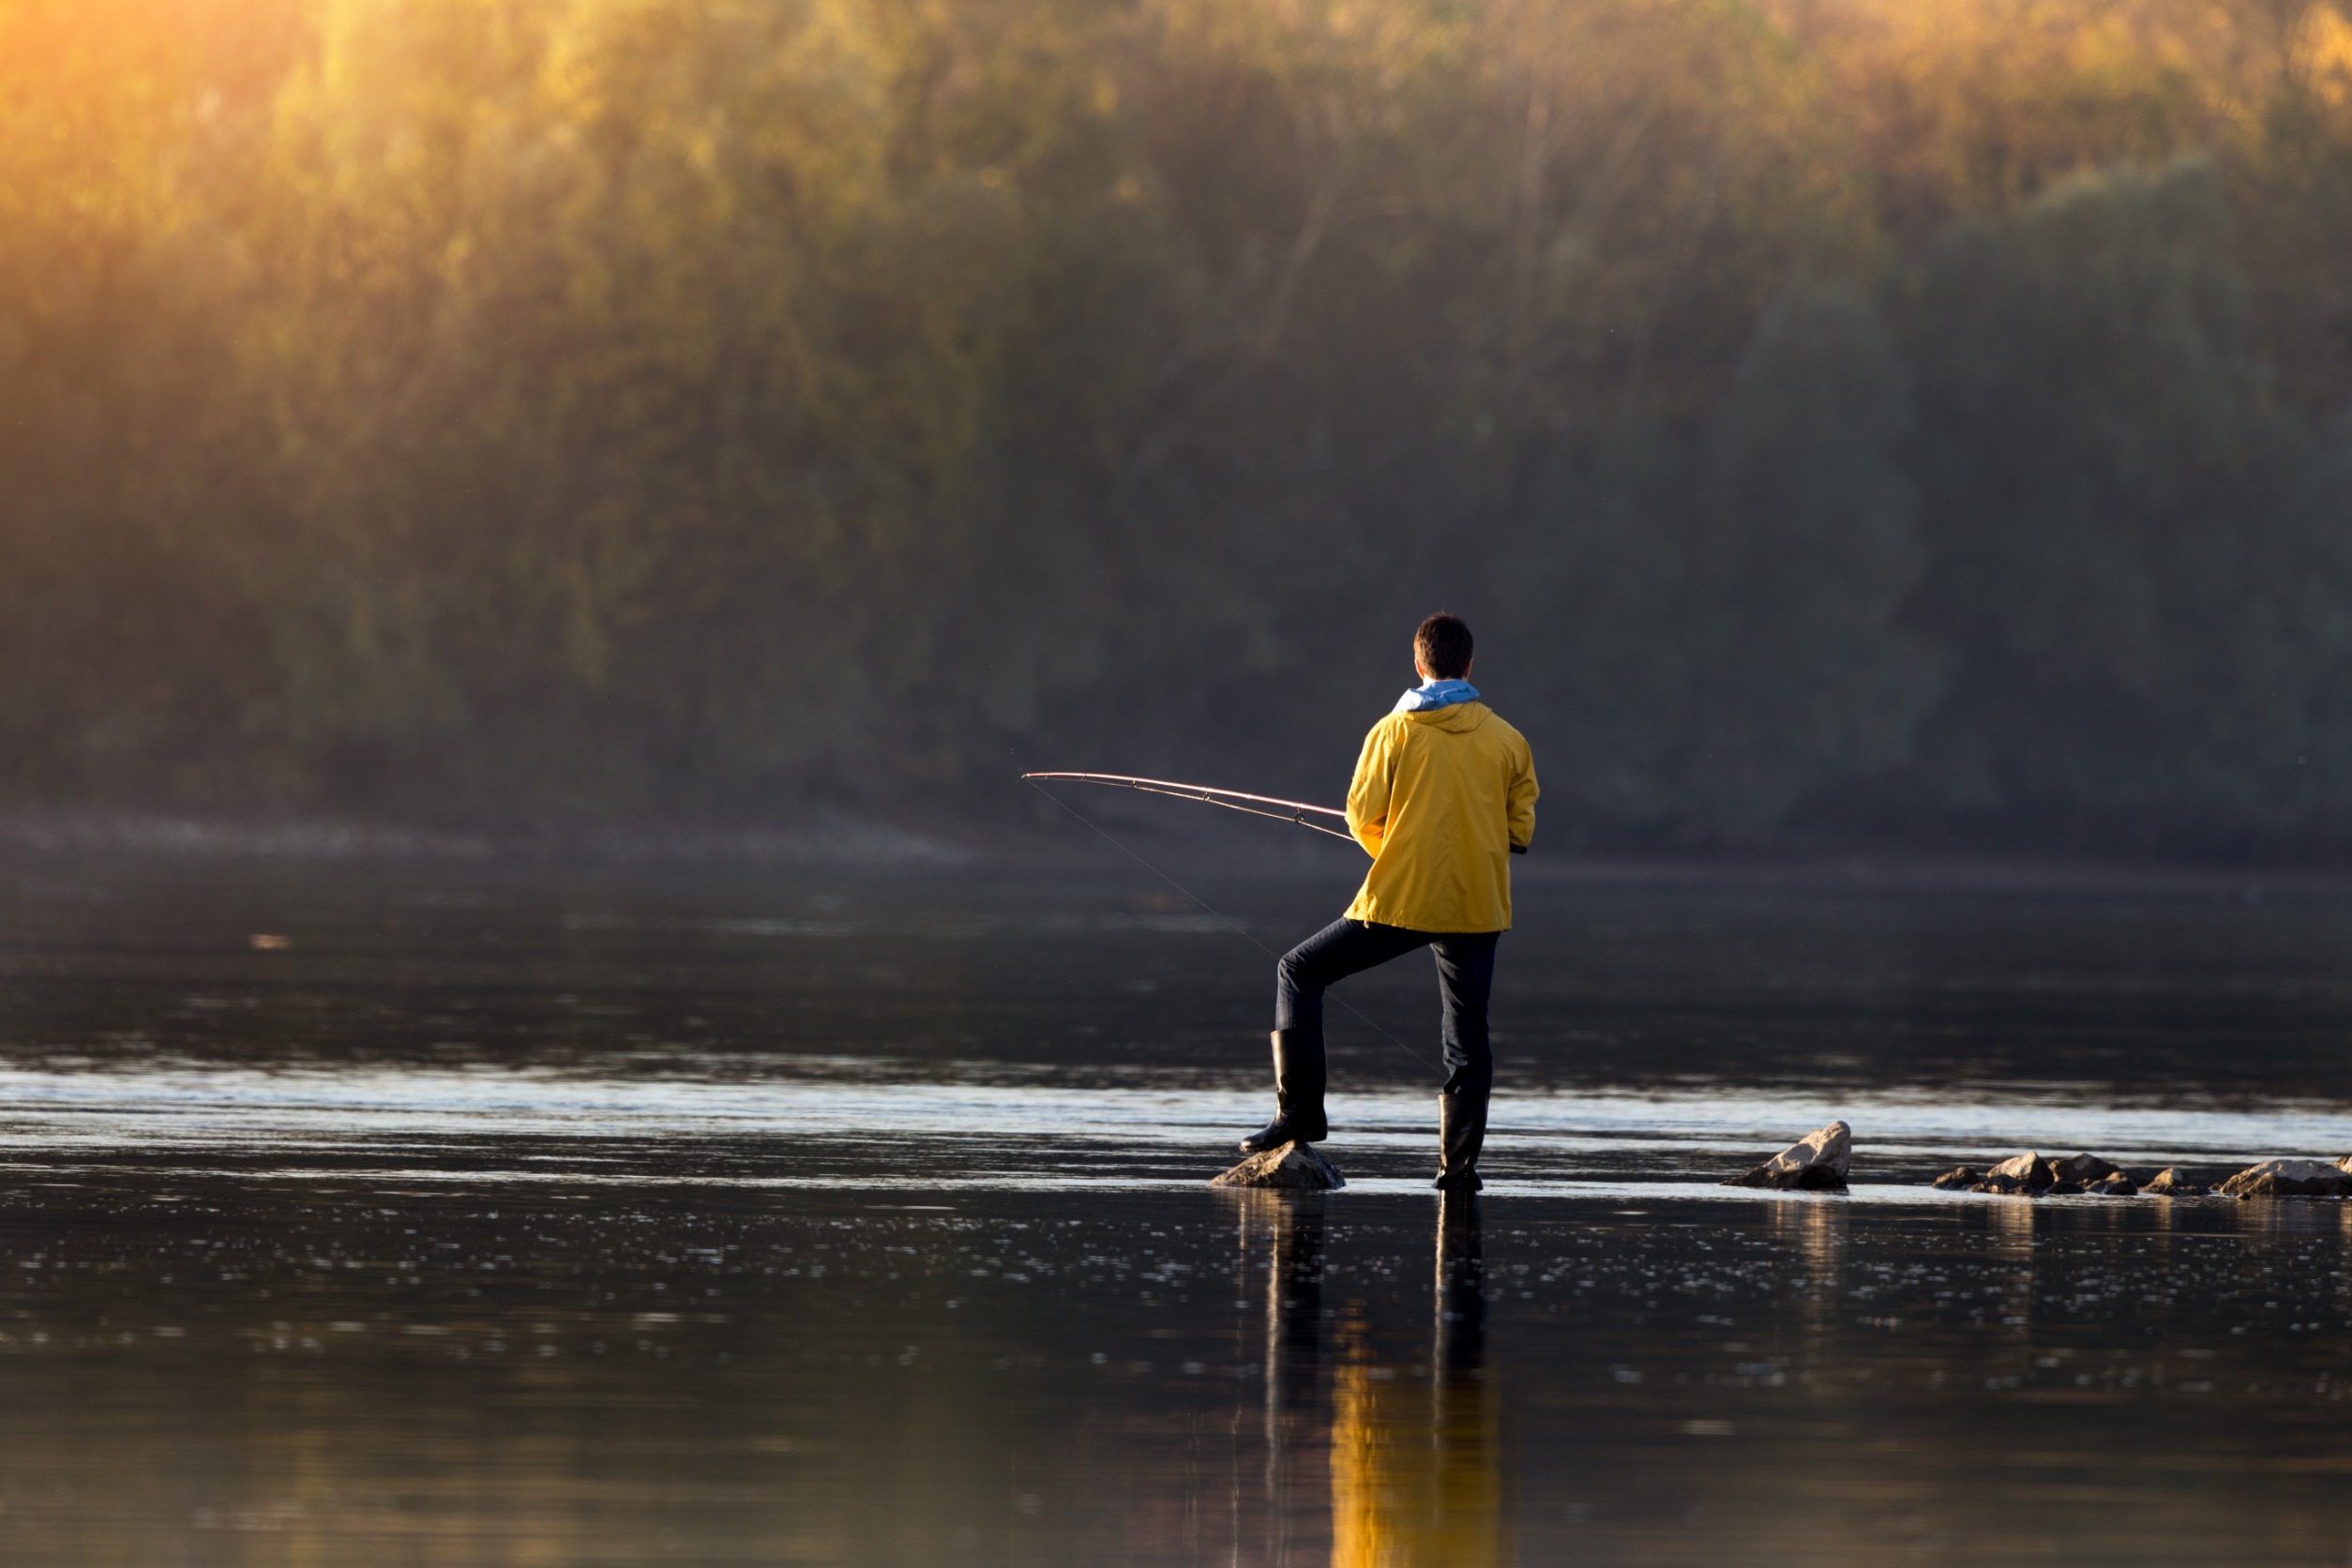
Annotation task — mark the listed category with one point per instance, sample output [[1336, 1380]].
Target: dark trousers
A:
[[1465, 974]]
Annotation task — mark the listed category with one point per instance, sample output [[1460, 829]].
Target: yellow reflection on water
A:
[[1416, 1465]]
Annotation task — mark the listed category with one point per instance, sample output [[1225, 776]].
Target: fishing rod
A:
[[1294, 811], [1232, 800]]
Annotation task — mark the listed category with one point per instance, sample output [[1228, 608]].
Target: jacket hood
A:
[[1435, 694], [1460, 718]]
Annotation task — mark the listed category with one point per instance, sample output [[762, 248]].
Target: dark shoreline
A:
[[837, 839]]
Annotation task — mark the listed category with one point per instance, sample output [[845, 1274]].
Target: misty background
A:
[[1923, 422]]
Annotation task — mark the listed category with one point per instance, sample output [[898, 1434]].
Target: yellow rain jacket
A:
[[1439, 799]]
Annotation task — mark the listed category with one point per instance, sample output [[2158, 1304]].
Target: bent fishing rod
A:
[[1292, 811]]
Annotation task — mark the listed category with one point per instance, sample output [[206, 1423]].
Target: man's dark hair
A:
[[1443, 645]]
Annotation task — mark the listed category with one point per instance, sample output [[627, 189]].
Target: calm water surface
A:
[[518, 1215]]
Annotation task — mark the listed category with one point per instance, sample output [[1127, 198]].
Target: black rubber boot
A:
[[1298, 1058], [1461, 1133]]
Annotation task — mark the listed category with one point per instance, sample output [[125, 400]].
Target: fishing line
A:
[[1228, 924]]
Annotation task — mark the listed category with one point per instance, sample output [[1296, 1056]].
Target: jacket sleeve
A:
[[1368, 793], [1523, 793]]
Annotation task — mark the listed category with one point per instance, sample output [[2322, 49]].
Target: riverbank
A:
[[1179, 839]]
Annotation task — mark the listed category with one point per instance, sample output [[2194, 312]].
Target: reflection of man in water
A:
[[1416, 1468], [1444, 794]]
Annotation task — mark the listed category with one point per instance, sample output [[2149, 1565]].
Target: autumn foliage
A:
[[1890, 420]]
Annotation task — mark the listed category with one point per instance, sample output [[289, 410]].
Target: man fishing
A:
[[1444, 795]]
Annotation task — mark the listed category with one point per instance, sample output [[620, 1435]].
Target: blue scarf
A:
[[1435, 694]]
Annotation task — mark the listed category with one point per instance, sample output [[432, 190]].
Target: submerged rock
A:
[[1960, 1179], [1290, 1167], [2169, 1183], [2115, 1184], [2289, 1179], [1816, 1163]]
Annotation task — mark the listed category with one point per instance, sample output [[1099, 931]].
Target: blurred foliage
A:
[[1916, 420]]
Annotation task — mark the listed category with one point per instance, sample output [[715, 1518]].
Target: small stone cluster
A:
[[2028, 1175], [1819, 1163]]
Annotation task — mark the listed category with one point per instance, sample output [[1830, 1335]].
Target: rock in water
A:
[[2169, 1183], [2088, 1169], [1815, 1164], [2289, 1179], [1289, 1166], [2089, 1173], [2026, 1175]]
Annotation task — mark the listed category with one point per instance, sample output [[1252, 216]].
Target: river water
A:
[[505, 1214]]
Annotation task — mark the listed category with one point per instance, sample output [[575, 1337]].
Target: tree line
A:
[[1842, 420]]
